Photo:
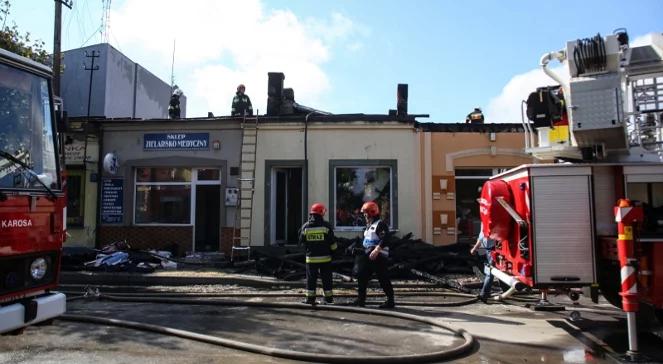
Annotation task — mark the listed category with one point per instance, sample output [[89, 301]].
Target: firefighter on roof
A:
[[174, 104], [317, 236], [475, 117], [241, 103]]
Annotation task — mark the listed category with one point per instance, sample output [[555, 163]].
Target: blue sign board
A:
[[112, 200], [176, 141]]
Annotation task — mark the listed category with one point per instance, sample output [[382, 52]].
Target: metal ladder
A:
[[246, 184]]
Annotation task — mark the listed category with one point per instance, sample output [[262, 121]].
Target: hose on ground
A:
[[470, 298], [446, 354]]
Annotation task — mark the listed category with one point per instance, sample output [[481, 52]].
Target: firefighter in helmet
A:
[[174, 103], [475, 117], [317, 235], [373, 258], [241, 103]]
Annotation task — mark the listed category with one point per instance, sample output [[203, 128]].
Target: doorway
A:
[[287, 211], [208, 210]]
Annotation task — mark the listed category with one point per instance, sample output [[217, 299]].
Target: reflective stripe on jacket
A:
[[374, 235], [317, 236], [241, 105]]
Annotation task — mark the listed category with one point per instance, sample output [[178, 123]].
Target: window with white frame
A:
[[358, 182], [163, 195], [468, 184]]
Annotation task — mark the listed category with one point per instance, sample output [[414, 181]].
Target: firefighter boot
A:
[[358, 302], [309, 301], [389, 303]]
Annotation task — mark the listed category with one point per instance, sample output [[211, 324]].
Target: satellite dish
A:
[[111, 163]]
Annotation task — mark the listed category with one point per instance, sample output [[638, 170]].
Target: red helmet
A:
[[370, 208], [318, 209]]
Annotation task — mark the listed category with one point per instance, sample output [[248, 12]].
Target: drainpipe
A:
[[100, 142], [306, 160], [133, 111]]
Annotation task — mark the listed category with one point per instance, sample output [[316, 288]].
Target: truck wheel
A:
[[610, 283], [45, 323], [659, 315], [16, 332], [574, 296]]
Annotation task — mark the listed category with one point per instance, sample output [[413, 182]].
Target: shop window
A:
[[170, 204], [650, 196], [163, 174], [163, 196], [354, 185], [208, 174], [75, 197]]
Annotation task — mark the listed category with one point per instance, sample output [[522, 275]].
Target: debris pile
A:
[[408, 259], [450, 266], [116, 257]]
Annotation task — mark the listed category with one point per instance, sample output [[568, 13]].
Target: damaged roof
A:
[[471, 128]]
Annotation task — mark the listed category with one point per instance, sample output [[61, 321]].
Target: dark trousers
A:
[[312, 271], [488, 279], [365, 269]]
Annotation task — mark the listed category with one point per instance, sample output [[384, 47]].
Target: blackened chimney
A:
[[401, 100], [274, 92]]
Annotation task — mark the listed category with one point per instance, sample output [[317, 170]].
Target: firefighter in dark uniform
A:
[[174, 104], [317, 235], [475, 117], [241, 103], [373, 258]]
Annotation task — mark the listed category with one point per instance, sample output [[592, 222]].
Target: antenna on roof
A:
[[105, 20], [172, 69]]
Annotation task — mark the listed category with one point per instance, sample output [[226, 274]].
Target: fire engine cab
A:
[[599, 137], [32, 202]]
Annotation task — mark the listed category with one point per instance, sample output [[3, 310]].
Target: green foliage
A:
[[14, 41]]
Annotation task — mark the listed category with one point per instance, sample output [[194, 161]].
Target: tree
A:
[[14, 41]]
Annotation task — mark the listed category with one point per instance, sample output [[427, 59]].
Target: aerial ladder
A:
[[591, 215]]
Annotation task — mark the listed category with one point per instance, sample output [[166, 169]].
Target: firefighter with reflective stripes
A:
[[317, 236], [374, 258], [241, 103]]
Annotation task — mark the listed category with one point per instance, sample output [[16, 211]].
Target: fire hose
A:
[[446, 354]]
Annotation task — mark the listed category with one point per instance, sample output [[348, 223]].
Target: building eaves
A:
[[292, 118], [471, 128]]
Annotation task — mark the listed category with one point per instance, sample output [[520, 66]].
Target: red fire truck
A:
[[32, 202], [599, 135]]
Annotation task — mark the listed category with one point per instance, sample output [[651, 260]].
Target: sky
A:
[[346, 56]]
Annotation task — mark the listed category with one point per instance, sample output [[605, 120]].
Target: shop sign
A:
[[176, 141], [111, 200], [74, 152]]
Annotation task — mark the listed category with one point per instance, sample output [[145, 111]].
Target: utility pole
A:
[[86, 132], [57, 40], [92, 68]]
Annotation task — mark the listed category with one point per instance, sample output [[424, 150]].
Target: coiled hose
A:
[[589, 55]]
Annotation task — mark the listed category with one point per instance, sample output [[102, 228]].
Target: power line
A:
[[91, 36]]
